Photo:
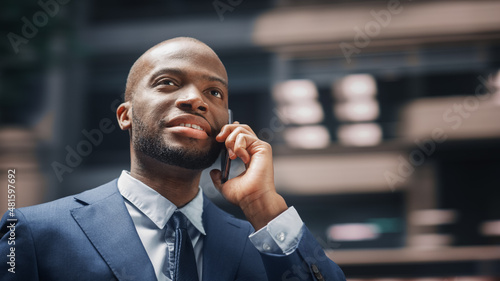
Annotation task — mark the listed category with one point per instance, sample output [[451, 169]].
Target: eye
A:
[[216, 93], [166, 82]]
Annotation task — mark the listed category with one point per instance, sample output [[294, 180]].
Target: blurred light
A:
[[433, 217], [495, 83], [308, 137], [429, 279], [295, 91], [307, 112], [353, 87], [367, 134], [17, 139], [456, 278], [363, 110], [429, 241], [387, 225], [353, 232], [491, 228], [475, 278]]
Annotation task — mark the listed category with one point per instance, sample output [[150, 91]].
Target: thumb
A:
[[216, 179]]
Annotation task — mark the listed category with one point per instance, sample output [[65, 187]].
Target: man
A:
[[176, 111]]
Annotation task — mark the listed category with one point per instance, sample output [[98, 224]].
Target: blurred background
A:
[[384, 116]]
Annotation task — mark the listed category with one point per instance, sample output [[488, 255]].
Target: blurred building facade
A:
[[384, 116]]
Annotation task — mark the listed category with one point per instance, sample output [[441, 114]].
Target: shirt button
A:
[[281, 236], [266, 247]]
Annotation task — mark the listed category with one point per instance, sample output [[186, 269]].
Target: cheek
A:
[[221, 121], [153, 109], [144, 121]]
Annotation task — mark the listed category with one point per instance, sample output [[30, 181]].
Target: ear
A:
[[124, 115]]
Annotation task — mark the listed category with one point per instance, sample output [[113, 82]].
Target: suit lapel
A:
[[106, 222], [222, 246]]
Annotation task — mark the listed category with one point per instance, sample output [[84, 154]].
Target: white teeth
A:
[[194, 126]]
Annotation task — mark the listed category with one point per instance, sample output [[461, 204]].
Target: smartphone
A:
[[225, 161]]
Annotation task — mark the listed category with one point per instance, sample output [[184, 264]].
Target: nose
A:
[[192, 100]]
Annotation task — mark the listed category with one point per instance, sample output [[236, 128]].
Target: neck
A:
[[178, 185]]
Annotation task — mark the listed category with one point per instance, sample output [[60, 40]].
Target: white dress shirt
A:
[[150, 213]]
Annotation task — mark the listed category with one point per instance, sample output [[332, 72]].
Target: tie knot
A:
[[178, 220]]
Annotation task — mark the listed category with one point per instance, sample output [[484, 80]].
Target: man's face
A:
[[179, 105]]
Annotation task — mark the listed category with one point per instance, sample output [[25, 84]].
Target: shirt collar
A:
[[156, 207]]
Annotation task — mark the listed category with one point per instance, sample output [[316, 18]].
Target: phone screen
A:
[[225, 161]]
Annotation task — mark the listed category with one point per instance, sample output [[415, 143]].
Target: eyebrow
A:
[[179, 72]]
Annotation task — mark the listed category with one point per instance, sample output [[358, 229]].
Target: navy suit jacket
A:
[[91, 236]]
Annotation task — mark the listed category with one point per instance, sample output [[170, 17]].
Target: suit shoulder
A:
[[60, 206]]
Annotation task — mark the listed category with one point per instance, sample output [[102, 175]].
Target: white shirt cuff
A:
[[281, 235]]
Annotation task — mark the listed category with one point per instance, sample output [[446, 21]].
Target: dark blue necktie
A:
[[185, 268]]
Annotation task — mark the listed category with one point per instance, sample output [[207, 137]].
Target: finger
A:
[[238, 142], [233, 132], [240, 148], [248, 128], [229, 128], [231, 153], [231, 138]]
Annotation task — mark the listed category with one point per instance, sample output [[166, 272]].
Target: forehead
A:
[[189, 56]]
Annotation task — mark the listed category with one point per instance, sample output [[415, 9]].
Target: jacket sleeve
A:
[[307, 263], [17, 251]]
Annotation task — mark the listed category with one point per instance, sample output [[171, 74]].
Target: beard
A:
[[152, 144]]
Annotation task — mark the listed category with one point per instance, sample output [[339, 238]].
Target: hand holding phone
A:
[[225, 160]]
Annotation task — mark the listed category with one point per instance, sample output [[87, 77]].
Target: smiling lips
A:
[[194, 126], [189, 125]]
